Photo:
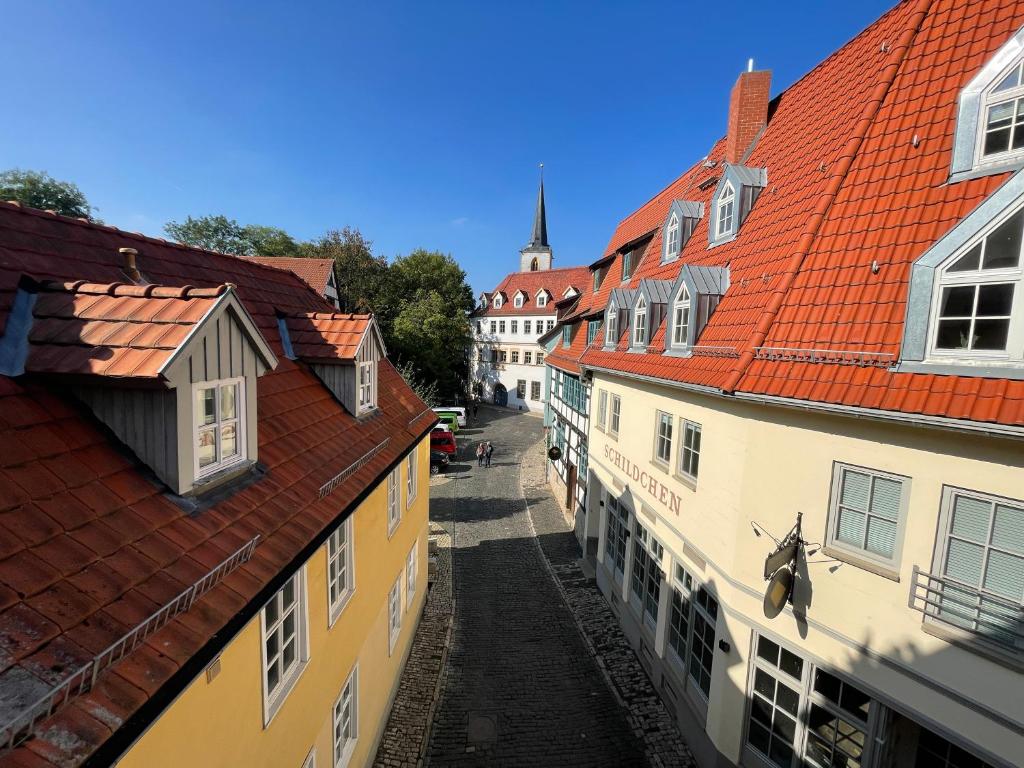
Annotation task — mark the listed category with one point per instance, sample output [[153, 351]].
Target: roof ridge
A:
[[147, 291], [845, 161]]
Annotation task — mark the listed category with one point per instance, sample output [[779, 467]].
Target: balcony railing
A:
[[976, 611]]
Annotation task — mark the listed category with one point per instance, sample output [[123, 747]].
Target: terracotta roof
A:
[[554, 281], [91, 544], [314, 272], [846, 186], [327, 335]]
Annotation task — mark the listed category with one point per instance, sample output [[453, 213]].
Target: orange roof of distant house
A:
[[554, 281], [315, 272]]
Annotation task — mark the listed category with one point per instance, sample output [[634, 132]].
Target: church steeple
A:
[[536, 255]]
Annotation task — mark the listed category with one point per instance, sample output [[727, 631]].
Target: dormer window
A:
[[627, 265], [367, 368], [682, 220], [672, 234], [497, 301], [1004, 117], [598, 276], [218, 431], [726, 211], [611, 334], [681, 317], [640, 323], [518, 301], [733, 200], [542, 299]]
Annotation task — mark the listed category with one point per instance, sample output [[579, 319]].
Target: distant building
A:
[[318, 274], [506, 361]]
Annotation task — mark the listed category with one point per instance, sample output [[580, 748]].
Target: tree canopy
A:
[[37, 189], [362, 277], [219, 233]]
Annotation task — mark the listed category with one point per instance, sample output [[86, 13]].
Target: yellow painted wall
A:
[[762, 465], [220, 724]]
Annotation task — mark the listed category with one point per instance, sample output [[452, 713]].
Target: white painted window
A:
[[219, 425], [528, 357], [726, 212], [646, 581], [310, 761], [518, 300], [341, 573], [497, 302], [515, 355], [611, 333], [494, 326], [681, 317], [527, 327], [550, 324], [613, 426], [394, 500], [602, 408], [367, 385], [346, 720], [394, 613], [540, 358], [597, 278], [285, 642], [867, 513], [514, 326], [410, 573], [979, 298], [672, 237], [535, 390], [617, 538], [627, 265], [411, 478], [1003, 134], [501, 326], [702, 640], [689, 454], [640, 323], [542, 299], [663, 438]]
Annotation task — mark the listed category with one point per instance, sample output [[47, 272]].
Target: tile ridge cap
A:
[[845, 161]]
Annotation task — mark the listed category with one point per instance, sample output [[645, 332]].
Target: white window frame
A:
[[660, 420], [861, 556], [672, 235], [550, 324], [648, 555], [535, 390], [501, 326], [614, 420], [494, 327], [1014, 352], [602, 408], [343, 584], [411, 571], [640, 323], [542, 299], [497, 302], [683, 462], [725, 212], [411, 478], [611, 331], [394, 613], [528, 357], [513, 326], [540, 358], [344, 741], [681, 315], [527, 327], [239, 421], [1014, 96], [310, 761], [518, 301], [394, 499], [274, 698], [515, 356], [367, 386], [618, 532]]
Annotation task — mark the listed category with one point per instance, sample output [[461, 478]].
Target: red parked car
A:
[[443, 442]]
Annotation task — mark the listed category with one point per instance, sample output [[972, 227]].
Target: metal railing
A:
[[419, 415], [982, 613], [83, 679], [840, 356], [352, 468], [709, 350]]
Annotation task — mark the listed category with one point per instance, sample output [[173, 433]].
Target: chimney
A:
[[130, 268], [748, 111]]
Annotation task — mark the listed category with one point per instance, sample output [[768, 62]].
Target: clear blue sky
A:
[[420, 123]]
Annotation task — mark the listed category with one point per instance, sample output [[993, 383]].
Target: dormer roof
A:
[[330, 337]]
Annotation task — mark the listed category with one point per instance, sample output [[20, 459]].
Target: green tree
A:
[[37, 189], [363, 279], [431, 336], [427, 391], [219, 233]]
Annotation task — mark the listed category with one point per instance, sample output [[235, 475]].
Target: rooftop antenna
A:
[[750, 65]]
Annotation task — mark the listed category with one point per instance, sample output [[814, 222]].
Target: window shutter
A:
[[885, 511]]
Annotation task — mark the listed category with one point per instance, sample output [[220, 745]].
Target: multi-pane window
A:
[[933, 751], [702, 643], [566, 335], [542, 299], [494, 326], [528, 357], [341, 580], [602, 408], [617, 538], [515, 355], [550, 324], [518, 302], [394, 503], [775, 702], [613, 425], [540, 358], [672, 237], [411, 479], [535, 390], [592, 328], [640, 323], [394, 613], [726, 211], [367, 382], [346, 720], [521, 388], [611, 333], [663, 438], [514, 326], [559, 435], [501, 326], [527, 327], [283, 624], [502, 356], [646, 581], [866, 512], [681, 317], [679, 610], [1004, 117], [978, 297], [597, 279], [627, 265], [410, 574], [218, 425], [581, 461], [689, 454]]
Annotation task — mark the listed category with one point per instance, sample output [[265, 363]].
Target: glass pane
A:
[[1008, 529], [764, 684], [971, 518], [759, 737], [1000, 115], [850, 528], [855, 490], [787, 699], [827, 685], [289, 592], [1002, 247], [969, 262], [207, 447], [206, 405], [784, 729], [791, 664], [855, 701], [227, 401], [270, 613], [289, 653], [963, 562], [885, 500], [781, 753], [288, 626], [1012, 80], [953, 334], [272, 646], [228, 441], [991, 334], [768, 650], [997, 141], [881, 536], [995, 300], [957, 301], [1004, 575], [273, 677]]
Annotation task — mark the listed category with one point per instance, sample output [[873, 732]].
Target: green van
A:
[[450, 418]]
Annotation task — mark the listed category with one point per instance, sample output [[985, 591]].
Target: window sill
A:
[[687, 480], [392, 527], [980, 368], [207, 483], [334, 613], [722, 240], [660, 466], [613, 435], [967, 642], [864, 563]]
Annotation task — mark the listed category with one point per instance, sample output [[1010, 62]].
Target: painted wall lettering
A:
[[645, 480]]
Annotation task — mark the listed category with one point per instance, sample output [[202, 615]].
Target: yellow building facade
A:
[[331, 699]]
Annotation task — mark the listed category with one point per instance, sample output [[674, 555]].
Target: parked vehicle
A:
[[458, 410], [451, 419], [444, 442], [441, 428], [438, 462]]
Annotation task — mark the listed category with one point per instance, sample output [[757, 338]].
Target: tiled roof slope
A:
[[90, 543], [112, 329], [555, 281], [327, 335], [846, 186], [314, 272]]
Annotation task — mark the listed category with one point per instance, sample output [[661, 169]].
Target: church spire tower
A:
[[536, 255]]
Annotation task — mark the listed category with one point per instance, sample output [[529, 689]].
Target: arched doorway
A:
[[500, 395]]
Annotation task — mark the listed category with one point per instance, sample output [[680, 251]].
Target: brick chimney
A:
[[748, 112]]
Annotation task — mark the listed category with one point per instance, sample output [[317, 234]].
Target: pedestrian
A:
[[487, 453], [480, 451], [476, 407]]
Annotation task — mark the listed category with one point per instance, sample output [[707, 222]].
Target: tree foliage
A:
[[219, 233], [427, 391], [37, 189], [362, 277]]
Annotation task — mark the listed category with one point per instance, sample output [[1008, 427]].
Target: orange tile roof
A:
[[112, 329], [846, 186], [554, 281], [327, 335], [91, 544], [314, 272]]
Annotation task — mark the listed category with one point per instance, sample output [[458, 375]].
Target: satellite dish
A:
[[779, 590], [554, 453]]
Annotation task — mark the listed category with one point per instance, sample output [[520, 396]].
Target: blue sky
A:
[[419, 123]]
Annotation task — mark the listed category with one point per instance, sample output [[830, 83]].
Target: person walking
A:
[[476, 407], [480, 451], [487, 453]]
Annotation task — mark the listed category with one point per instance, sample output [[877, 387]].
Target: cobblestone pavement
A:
[[521, 687]]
